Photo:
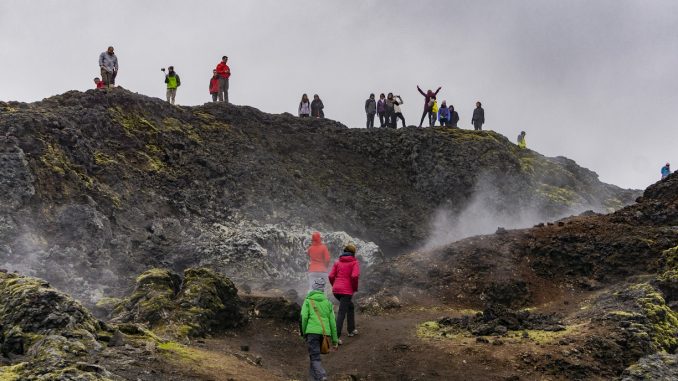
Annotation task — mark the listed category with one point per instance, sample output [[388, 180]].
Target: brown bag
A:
[[325, 344]]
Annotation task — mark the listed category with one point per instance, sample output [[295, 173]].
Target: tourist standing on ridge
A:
[[319, 258], [317, 321], [344, 278], [666, 171], [370, 110], [521, 140], [478, 117], [429, 98], [397, 111], [389, 107], [317, 107], [214, 86], [99, 83], [304, 107], [108, 62], [173, 82], [454, 117], [381, 108], [224, 74], [444, 115]]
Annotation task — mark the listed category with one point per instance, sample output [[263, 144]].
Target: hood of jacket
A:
[[316, 239], [347, 257], [316, 295]]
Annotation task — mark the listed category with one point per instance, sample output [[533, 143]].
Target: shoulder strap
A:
[[318, 315]]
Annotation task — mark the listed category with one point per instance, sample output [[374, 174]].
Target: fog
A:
[[591, 80]]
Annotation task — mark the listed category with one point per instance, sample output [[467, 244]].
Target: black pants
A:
[[430, 118], [396, 116], [390, 119], [477, 125], [381, 119], [370, 120], [345, 308]]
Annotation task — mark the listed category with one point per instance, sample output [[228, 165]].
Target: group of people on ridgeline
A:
[[318, 324], [218, 87], [388, 107], [312, 108], [389, 111]]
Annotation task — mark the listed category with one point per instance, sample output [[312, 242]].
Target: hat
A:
[[350, 248], [319, 284]]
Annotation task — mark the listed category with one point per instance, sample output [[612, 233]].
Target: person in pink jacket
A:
[[344, 279]]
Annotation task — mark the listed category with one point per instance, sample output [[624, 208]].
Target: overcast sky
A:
[[593, 80]]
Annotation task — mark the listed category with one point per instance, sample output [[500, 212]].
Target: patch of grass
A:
[[12, 372], [132, 122], [663, 321], [558, 195]]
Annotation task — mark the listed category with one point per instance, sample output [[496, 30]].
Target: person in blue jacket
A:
[[444, 115], [666, 170]]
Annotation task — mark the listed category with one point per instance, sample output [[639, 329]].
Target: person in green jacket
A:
[[173, 82], [317, 319]]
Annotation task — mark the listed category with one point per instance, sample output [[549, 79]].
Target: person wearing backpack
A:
[[444, 115], [317, 326], [344, 278], [370, 110], [429, 100], [304, 107], [381, 108], [521, 140], [214, 86]]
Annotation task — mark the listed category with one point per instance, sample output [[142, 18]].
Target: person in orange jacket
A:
[[214, 85], [224, 74], [319, 258]]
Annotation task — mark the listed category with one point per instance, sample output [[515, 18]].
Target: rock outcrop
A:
[[100, 185]]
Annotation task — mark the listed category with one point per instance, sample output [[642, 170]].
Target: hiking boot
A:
[[351, 334]]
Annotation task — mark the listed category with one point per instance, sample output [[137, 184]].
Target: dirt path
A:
[[387, 348]]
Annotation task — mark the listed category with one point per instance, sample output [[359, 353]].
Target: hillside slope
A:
[[98, 186]]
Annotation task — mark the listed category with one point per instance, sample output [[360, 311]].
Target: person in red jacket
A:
[[214, 85], [224, 74], [344, 279], [99, 83], [319, 258]]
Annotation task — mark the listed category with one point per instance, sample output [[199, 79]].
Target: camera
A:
[[162, 69]]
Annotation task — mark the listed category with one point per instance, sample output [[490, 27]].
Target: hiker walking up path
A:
[[224, 74], [317, 321], [319, 260], [173, 82], [429, 99], [344, 278], [478, 117], [108, 62]]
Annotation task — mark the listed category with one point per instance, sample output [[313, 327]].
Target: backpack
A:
[[434, 108]]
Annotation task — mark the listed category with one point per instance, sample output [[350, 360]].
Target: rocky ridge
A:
[[100, 185]]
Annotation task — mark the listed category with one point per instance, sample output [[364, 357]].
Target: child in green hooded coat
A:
[[317, 318]]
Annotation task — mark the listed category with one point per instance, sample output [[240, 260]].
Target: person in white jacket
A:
[[397, 112], [304, 107]]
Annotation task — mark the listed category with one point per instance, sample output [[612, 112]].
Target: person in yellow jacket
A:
[[173, 82], [317, 320], [521, 140]]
